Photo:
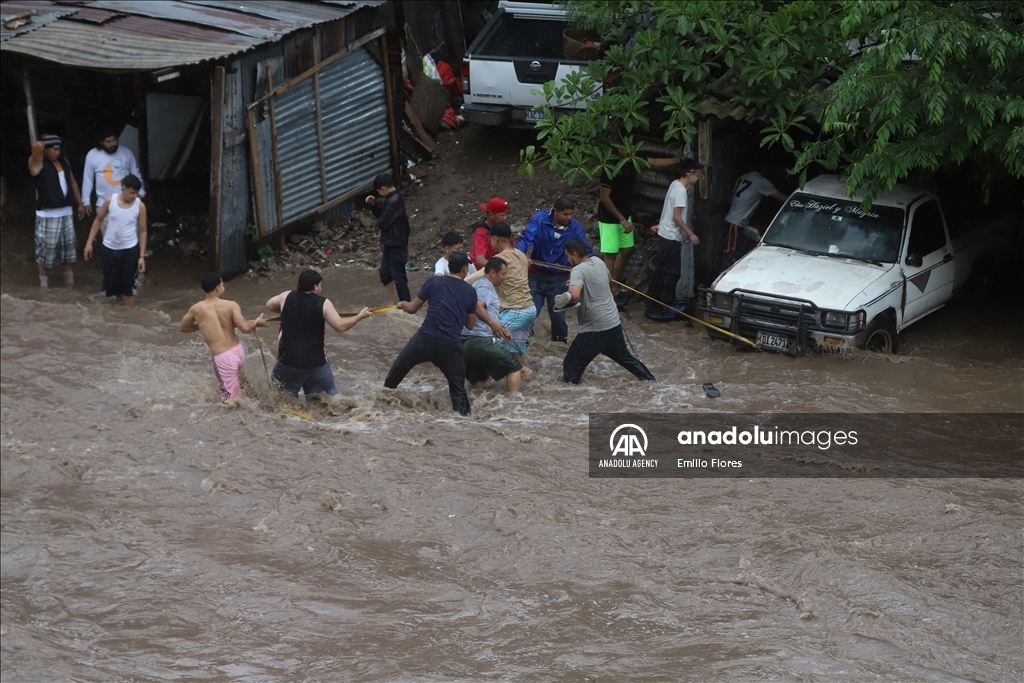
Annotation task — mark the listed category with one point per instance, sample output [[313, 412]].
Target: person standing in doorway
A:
[[389, 208], [124, 242], [57, 196], [741, 237], [614, 218], [676, 240], [105, 167]]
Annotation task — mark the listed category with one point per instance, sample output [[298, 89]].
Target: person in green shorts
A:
[[614, 218]]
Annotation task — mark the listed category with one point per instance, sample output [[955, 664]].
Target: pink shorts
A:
[[226, 366]]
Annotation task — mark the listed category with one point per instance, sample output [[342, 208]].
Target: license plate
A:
[[772, 341], [536, 115]]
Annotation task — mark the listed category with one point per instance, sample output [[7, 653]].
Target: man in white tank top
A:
[[124, 242]]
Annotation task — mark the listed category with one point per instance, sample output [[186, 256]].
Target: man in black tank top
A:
[[301, 359]]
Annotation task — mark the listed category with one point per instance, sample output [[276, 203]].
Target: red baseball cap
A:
[[495, 205]]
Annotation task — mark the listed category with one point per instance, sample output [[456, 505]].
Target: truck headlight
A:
[[722, 301], [835, 319]]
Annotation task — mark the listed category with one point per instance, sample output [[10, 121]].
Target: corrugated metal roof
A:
[[177, 13], [18, 18], [157, 33]]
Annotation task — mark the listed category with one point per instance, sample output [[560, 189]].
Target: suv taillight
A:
[[465, 76]]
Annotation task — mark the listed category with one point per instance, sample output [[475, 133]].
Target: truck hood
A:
[[828, 282]]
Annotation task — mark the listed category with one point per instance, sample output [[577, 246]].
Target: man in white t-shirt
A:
[[105, 167], [451, 242], [746, 196], [676, 240]]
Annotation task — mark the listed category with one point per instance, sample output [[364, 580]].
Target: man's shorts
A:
[[309, 380], [226, 367], [55, 240], [519, 322], [487, 357], [614, 237], [120, 269]]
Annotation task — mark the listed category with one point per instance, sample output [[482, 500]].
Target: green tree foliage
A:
[[876, 89]]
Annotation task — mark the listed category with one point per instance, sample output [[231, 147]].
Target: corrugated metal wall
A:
[[354, 128]]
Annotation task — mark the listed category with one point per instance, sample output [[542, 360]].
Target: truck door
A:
[[927, 263]]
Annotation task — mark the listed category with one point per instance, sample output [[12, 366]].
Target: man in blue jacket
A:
[[547, 232]]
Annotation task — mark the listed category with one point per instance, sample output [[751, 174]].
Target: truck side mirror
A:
[[913, 260]]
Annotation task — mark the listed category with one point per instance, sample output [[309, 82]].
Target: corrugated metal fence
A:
[[318, 140]]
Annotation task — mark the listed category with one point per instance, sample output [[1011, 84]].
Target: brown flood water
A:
[[148, 533]]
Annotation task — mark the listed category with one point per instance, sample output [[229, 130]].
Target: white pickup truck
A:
[[519, 49], [828, 274]]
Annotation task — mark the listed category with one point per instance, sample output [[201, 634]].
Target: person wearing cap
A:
[[57, 195], [389, 208], [439, 339], [105, 167], [482, 251], [546, 233], [517, 311]]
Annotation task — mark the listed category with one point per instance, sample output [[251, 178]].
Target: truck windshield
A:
[[820, 225]]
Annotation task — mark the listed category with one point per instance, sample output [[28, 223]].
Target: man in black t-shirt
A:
[[614, 217], [438, 341]]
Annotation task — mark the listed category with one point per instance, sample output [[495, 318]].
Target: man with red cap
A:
[[482, 251]]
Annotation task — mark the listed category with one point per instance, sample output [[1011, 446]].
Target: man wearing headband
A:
[[57, 195]]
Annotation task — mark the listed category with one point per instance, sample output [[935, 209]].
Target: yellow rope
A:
[[660, 303]]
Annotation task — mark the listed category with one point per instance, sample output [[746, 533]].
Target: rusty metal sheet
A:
[[19, 18], [93, 16], [158, 28], [305, 13], [82, 45], [180, 14]]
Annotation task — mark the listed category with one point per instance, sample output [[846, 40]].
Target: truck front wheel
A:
[[882, 336]]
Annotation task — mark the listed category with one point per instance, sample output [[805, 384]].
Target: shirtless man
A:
[[217, 319]]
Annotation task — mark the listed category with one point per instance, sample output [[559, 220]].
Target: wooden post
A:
[[139, 93], [389, 98], [278, 182], [455, 35], [216, 160], [257, 180], [30, 110], [320, 125]]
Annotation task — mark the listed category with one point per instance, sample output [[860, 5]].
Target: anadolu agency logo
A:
[[628, 446], [628, 443]]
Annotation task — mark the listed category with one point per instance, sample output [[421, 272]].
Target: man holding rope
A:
[[301, 359], [216, 318], [438, 341], [517, 310], [600, 330]]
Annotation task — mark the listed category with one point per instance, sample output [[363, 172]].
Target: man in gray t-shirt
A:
[[600, 330], [746, 196]]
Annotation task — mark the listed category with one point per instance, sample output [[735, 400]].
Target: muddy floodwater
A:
[[151, 534]]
